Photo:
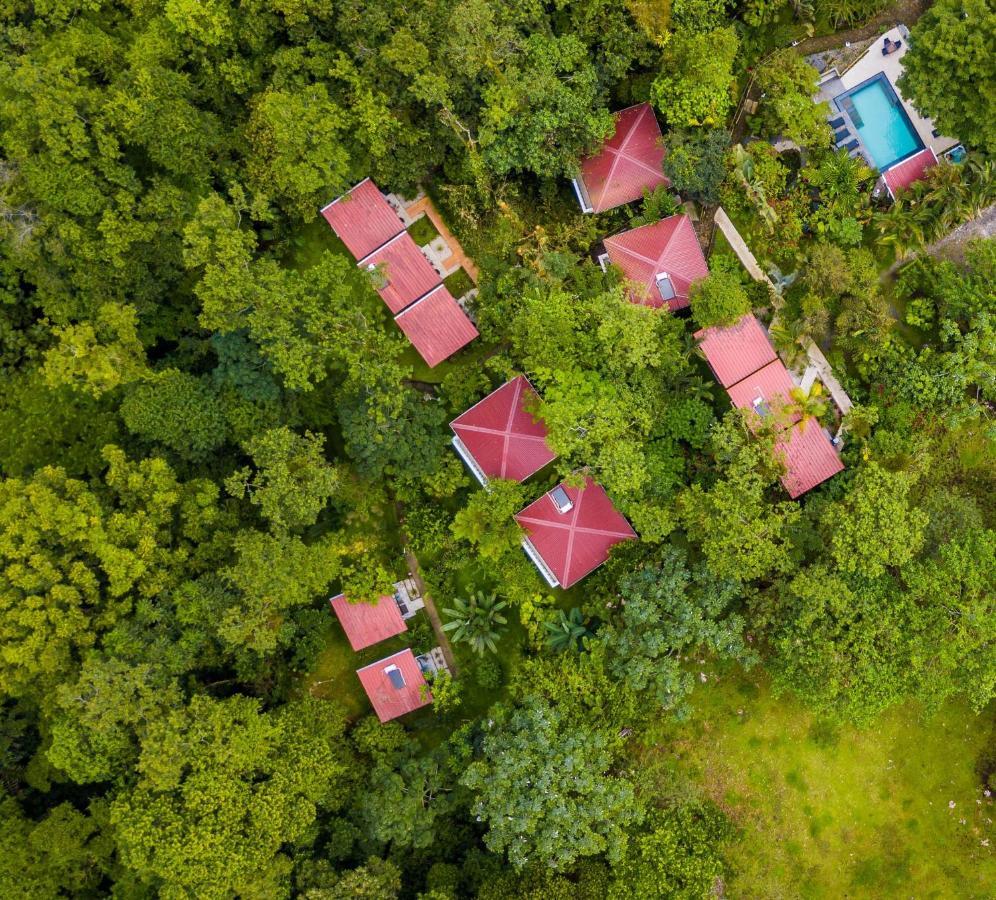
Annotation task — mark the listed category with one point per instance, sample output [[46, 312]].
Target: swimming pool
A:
[[881, 121]]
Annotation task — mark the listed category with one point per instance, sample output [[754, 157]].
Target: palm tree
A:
[[787, 336], [746, 172], [567, 632], [478, 621], [808, 405]]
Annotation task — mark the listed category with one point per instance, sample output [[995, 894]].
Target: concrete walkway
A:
[[817, 361]]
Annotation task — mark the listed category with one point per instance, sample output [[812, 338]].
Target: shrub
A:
[[719, 299]]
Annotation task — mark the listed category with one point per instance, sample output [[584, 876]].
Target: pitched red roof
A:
[[502, 436], [667, 247], [810, 458], [911, 169], [404, 268], [734, 352], [363, 219], [575, 543], [628, 163], [771, 385], [368, 623], [390, 700], [436, 326]]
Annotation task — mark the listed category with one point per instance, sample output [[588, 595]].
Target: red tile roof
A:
[[809, 457], [736, 351], [363, 219], [911, 169], [628, 163], [772, 384], [577, 542], [405, 269], [666, 247], [368, 623], [502, 436], [390, 701], [436, 326]]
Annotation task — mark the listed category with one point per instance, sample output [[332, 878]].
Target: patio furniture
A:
[[837, 123], [890, 46], [850, 146], [841, 136]]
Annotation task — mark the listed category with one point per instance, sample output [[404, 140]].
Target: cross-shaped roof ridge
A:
[[620, 152], [622, 248]]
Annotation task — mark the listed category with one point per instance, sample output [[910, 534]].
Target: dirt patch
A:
[[905, 12]]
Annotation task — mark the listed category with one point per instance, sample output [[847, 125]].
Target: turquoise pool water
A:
[[882, 123]]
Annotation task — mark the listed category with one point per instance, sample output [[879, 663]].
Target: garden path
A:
[[430, 606]]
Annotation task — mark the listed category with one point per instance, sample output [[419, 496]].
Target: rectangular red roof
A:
[[363, 219], [401, 272], [736, 351], [628, 163], [669, 247], [810, 458], [911, 169], [436, 326], [575, 542], [502, 436], [366, 624], [394, 685], [767, 389]]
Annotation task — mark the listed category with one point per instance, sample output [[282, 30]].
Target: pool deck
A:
[[871, 64]]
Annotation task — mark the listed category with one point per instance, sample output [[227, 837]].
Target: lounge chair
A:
[[836, 123], [850, 146], [841, 136]]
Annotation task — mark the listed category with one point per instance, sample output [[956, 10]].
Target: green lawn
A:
[[422, 231], [835, 812]]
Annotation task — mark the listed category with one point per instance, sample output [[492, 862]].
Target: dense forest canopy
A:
[[209, 425]]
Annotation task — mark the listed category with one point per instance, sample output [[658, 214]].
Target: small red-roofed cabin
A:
[[436, 326], [499, 438], [367, 624], [628, 163], [810, 458], [395, 685], [570, 531], [664, 257], [765, 391], [903, 174], [401, 272], [736, 351], [363, 219]]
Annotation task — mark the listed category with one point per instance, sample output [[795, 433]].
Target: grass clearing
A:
[[422, 231], [829, 811], [459, 283]]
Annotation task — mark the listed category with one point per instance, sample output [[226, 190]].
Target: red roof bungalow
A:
[[436, 326], [363, 219], [665, 257], [903, 174], [367, 624], [810, 458], [737, 351], [499, 438], [628, 163], [401, 272], [570, 532], [395, 685]]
